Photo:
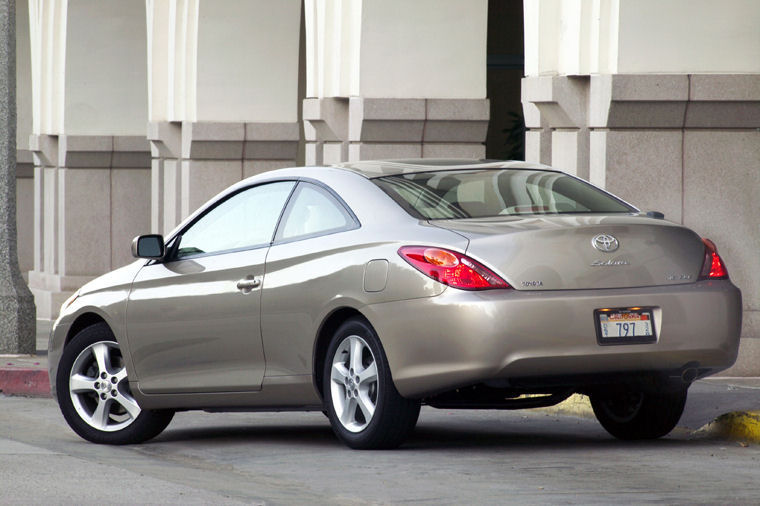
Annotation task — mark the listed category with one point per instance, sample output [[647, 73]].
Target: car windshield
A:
[[496, 192]]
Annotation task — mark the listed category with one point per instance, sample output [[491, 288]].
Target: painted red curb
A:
[[19, 381]]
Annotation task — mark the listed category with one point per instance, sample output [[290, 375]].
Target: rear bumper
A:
[[461, 338]]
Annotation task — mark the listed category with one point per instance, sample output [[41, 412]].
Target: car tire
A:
[[634, 414], [364, 407], [94, 395]]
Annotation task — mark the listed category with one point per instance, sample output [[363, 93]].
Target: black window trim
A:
[[355, 223], [178, 235]]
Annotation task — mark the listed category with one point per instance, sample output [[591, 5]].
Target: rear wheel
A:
[[364, 407], [635, 414], [94, 395]]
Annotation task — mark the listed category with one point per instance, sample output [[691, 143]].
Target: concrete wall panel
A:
[[689, 36], [130, 217], [172, 214], [84, 211], [425, 48], [106, 70], [25, 222], [721, 184], [247, 60], [642, 167], [202, 179]]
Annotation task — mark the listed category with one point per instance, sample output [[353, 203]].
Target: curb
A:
[[575, 405], [736, 426], [24, 381]]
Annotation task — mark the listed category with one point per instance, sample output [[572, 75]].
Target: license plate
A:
[[625, 325]]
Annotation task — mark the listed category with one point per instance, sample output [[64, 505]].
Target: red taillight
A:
[[713, 266], [451, 268]]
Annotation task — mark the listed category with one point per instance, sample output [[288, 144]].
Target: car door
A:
[[313, 258], [193, 320]]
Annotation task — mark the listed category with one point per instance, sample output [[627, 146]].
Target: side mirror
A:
[[656, 215], [148, 246]]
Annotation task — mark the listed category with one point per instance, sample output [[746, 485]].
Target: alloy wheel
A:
[[99, 388], [354, 383]]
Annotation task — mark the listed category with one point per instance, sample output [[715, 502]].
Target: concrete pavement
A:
[[720, 407], [456, 457]]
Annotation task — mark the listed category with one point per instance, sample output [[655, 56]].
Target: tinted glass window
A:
[[313, 211], [496, 192], [245, 220]]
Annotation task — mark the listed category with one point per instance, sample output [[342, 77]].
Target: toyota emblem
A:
[[605, 242]]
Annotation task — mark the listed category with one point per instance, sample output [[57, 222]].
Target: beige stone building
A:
[[131, 113]]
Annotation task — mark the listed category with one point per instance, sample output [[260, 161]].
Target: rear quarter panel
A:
[[307, 280]]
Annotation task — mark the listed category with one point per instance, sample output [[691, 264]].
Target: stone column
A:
[[688, 145], [17, 320], [223, 98], [25, 210], [556, 118], [91, 157], [91, 199], [382, 85], [24, 160], [662, 105], [192, 162]]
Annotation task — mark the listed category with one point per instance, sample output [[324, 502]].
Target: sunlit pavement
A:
[[488, 457]]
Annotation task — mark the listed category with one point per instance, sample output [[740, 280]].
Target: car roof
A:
[[380, 168]]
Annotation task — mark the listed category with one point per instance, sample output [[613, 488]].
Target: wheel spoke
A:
[[357, 347], [368, 375], [99, 417], [366, 405], [100, 352], [338, 373], [129, 404], [79, 383], [121, 375], [348, 416]]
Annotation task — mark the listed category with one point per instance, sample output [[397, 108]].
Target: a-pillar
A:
[[91, 157], [223, 98], [395, 79]]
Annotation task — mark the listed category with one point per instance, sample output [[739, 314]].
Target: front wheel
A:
[[94, 396], [633, 414], [364, 407]]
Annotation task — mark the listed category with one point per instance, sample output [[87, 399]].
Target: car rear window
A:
[[496, 192]]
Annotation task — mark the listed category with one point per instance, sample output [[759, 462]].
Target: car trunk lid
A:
[[587, 251]]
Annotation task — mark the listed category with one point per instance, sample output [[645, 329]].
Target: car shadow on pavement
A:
[[426, 437], [446, 438], [315, 435]]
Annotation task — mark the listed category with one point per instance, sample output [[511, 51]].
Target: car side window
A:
[[313, 211], [245, 220]]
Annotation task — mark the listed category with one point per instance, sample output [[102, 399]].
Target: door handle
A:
[[247, 284]]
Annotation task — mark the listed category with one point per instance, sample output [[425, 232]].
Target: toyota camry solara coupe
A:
[[368, 289]]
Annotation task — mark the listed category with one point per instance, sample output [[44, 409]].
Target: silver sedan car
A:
[[368, 289]]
